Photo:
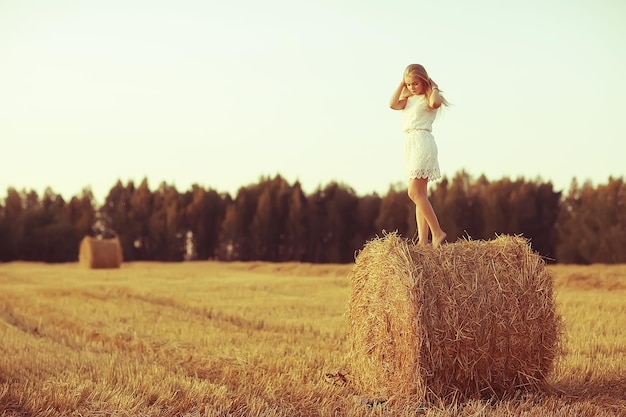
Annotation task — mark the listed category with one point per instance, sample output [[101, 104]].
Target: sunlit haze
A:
[[220, 93]]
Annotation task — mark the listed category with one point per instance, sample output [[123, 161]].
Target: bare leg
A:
[[418, 192], [422, 227]]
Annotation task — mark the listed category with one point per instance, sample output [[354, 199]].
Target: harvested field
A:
[[253, 339]]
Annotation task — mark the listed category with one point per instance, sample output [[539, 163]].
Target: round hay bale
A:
[[472, 318], [100, 253]]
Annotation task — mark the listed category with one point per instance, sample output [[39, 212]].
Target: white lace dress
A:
[[420, 149]]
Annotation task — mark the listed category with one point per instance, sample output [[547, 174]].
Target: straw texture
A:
[[473, 318], [100, 253]]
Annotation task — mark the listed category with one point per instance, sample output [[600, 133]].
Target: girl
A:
[[419, 99]]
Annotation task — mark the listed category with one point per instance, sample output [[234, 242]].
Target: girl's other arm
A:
[[398, 102], [435, 99]]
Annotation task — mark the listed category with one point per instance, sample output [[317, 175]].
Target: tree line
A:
[[276, 221]]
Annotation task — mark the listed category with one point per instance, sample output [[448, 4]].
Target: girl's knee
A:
[[416, 194]]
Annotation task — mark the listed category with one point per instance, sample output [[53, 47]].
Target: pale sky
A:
[[220, 93]]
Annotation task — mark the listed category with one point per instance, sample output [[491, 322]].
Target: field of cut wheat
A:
[[209, 339]]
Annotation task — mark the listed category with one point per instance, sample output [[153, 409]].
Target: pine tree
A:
[[10, 226], [367, 211], [294, 245], [114, 217], [396, 212], [166, 240], [264, 229], [231, 235], [139, 215], [202, 212]]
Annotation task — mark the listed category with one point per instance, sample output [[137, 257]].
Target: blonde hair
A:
[[418, 70]]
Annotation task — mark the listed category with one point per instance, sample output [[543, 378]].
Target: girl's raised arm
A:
[[398, 101]]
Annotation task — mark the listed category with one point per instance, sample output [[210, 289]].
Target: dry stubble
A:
[[255, 339]]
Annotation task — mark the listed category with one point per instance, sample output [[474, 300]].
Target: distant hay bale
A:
[[473, 318], [100, 253]]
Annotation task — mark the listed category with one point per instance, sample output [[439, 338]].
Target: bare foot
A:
[[438, 239]]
